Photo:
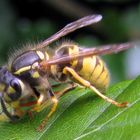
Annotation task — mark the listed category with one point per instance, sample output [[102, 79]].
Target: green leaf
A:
[[83, 115]]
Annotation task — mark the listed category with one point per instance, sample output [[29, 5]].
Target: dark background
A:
[[31, 21]]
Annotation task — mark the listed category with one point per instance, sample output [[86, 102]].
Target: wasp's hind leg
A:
[[87, 84], [54, 101]]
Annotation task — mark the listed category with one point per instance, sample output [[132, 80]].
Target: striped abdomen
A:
[[92, 68]]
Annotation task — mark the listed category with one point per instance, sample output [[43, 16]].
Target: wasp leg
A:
[[60, 84], [12, 117], [69, 87], [53, 109], [88, 85]]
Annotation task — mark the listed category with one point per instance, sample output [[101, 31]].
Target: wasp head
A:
[[10, 90], [10, 85]]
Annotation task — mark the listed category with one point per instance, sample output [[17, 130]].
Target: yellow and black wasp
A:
[[24, 84]]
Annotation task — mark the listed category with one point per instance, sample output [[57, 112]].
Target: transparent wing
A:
[[85, 21], [102, 50]]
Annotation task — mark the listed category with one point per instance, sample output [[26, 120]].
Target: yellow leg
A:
[[55, 102], [66, 89], [42, 103], [87, 84], [53, 108]]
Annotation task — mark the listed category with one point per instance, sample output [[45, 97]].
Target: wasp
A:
[[24, 81]]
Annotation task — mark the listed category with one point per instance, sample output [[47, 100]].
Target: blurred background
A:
[[31, 21]]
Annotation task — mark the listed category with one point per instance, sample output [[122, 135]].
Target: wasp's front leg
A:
[[54, 101], [13, 116]]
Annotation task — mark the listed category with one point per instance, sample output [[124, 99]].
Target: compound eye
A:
[[14, 90], [16, 85]]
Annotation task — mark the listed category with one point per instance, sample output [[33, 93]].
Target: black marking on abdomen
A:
[[96, 64], [103, 69], [79, 64]]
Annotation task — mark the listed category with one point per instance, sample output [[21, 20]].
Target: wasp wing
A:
[[106, 49], [85, 21]]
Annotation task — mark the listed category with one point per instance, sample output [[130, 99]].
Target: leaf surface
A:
[[83, 115]]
